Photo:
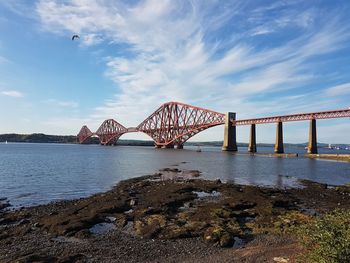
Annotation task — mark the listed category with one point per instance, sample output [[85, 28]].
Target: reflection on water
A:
[[39, 173]]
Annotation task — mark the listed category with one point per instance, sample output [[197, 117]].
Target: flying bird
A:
[[75, 36]]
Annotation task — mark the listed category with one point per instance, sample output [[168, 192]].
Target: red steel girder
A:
[[84, 134], [297, 117], [174, 123], [110, 131]]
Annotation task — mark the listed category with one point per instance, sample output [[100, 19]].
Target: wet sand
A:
[[321, 156], [172, 216], [333, 157]]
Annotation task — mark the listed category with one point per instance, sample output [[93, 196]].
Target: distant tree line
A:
[[44, 138], [37, 138]]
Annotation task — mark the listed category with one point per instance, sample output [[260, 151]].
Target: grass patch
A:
[[327, 238]]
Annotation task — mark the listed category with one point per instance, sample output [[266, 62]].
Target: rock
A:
[[220, 235], [217, 181], [281, 259], [132, 202], [175, 170], [4, 235], [23, 222], [222, 213], [37, 258], [121, 221], [183, 216], [74, 258], [226, 240], [212, 234], [343, 188], [149, 226], [175, 231], [195, 226], [291, 219], [4, 204], [195, 173], [85, 233], [234, 227], [37, 224], [110, 219], [187, 229], [244, 205], [139, 227], [157, 219], [287, 204], [209, 236]]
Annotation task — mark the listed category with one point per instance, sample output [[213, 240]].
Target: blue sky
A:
[[256, 58]]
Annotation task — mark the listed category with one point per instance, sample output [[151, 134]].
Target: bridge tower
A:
[[279, 138], [312, 147], [252, 140], [230, 140]]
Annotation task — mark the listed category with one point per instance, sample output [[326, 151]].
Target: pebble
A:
[[110, 219]]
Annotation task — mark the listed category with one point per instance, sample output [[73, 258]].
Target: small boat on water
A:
[[5, 142], [198, 149]]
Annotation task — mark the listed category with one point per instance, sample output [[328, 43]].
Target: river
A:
[[32, 174]]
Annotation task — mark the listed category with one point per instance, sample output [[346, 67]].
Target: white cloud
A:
[[64, 104], [170, 53], [12, 93], [91, 39], [18, 7], [262, 30], [339, 90], [63, 125]]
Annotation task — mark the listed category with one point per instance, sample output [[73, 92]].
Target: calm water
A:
[[39, 173]]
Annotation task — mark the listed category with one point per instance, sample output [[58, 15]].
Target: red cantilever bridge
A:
[[173, 123]]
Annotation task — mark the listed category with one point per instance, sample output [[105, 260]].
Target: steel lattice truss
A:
[[174, 123], [84, 134], [297, 117], [110, 131]]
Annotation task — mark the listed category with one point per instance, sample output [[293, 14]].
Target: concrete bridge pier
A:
[[252, 141], [157, 146], [230, 141], [179, 146], [312, 147], [279, 138]]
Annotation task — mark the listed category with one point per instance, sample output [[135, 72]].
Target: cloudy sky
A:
[[253, 57]]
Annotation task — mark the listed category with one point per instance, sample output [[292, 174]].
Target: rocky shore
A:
[[172, 216]]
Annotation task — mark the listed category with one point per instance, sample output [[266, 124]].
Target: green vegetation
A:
[[327, 238], [37, 138]]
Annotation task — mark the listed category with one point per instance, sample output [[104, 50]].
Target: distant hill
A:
[[44, 138], [37, 138]]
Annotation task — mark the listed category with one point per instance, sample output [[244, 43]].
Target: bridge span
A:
[[173, 123]]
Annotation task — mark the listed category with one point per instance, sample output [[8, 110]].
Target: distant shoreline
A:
[[71, 139]]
